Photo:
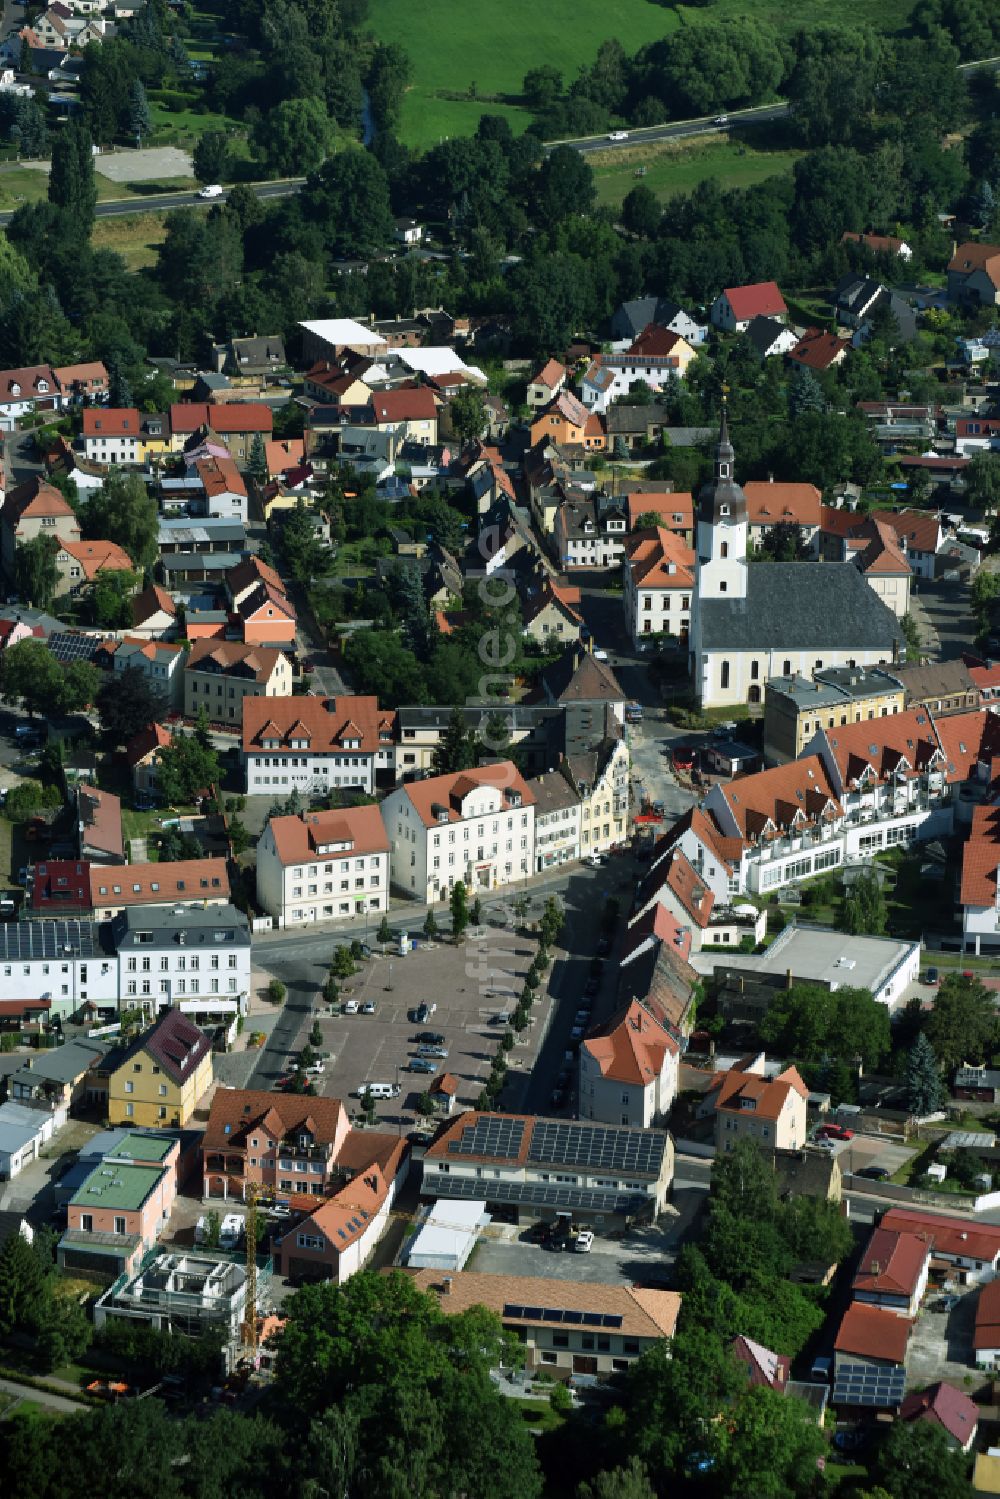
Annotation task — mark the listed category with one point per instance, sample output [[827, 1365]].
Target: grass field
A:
[[678, 168], [135, 238], [492, 46]]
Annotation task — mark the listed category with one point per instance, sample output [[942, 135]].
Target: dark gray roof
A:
[[552, 793], [202, 926], [61, 1064], [577, 677], [622, 419], [800, 606], [763, 331]]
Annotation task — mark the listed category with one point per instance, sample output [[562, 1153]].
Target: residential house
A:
[[621, 1323], [856, 298], [264, 613], [250, 360], [869, 1359], [735, 308], [537, 1167], [970, 1249], [553, 614], [950, 1410], [659, 579], [13, 631], [578, 678], [986, 1335], [979, 893], [673, 511], [154, 614], [795, 707], [178, 883], [589, 532], [675, 884], [656, 358], [236, 424], [161, 662], [629, 320], [558, 809], [336, 1238], [770, 337], [24, 390], [112, 435], [329, 338], [893, 1272], [71, 961], [80, 563], [884, 567], [601, 778], [770, 504], [643, 430], [283, 456], [117, 1214], [408, 411], [546, 383], [219, 674], [918, 533], [142, 755], [476, 826], [56, 1078], [195, 956], [879, 244], [183, 1293], [333, 386], [748, 1105], [764, 1368], [819, 350], [409, 232], [540, 733], [568, 422], [32, 509], [628, 1069], [99, 825], [24, 1131], [223, 492], [945, 687], [974, 274], [82, 383], [315, 743], [159, 1078], [324, 866]]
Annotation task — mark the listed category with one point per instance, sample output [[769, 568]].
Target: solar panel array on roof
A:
[[491, 1135], [24, 940], [633, 1151], [557, 1314], [537, 1194], [67, 646], [863, 1384]]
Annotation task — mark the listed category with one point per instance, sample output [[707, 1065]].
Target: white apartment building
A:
[[324, 866], [477, 826], [63, 961], [628, 1070], [161, 662], [315, 743], [171, 954], [658, 577], [558, 811]]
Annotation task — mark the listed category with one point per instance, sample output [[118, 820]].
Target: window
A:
[[87, 1223], [724, 549], [724, 676], [119, 1225], [129, 1110], [129, 1087]]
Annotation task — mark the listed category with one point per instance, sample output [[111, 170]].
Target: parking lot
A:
[[468, 985], [941, 1343], [864, 1151]]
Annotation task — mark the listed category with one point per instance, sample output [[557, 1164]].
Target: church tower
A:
[[722, 527]]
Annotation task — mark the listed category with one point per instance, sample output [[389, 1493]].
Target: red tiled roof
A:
[[250, 572], [550, 374], [762, 299], [34, 498], [883, 748], [892, 1263], [660, 559], [659, 925], [27, 381], [691, 891], [981, 859], [818, 350], [175, 1043], [154, 736], [763, 1366], [563, 599], [256, 661], [630, 1046], [359, 829], [236, 1112], [446, 793], [946, 1407], [151, 601], [232, 416], [328, 722], [987, 1330], [882, 556], [975, 256], [948, 1236], [61, 886], [728, 851], [111, 421], [159, 884], [918, 530], [413, 404], [737, 1088], [674, 511], [870, 1332], [220, 476], [657, 342], [770, 800], [879, 244], [99, 556], [770, 504]]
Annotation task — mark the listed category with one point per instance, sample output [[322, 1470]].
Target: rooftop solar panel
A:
[[633, 1151], [491, 1135], [537, 1194], [23, 941], [68, 646]]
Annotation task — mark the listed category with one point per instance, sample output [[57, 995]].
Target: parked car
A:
[[683, 757], [594, 860], [212, 190], [874, 1173], [721, 120], [584, 1241], [946, 1303], [421, 1064], [350, 1007], [432, 1051], [431, 1038], [931, 976], [835, 1132], [368, 1008]]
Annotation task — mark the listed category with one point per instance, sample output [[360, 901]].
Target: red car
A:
[[683, 757], [836, 1132]]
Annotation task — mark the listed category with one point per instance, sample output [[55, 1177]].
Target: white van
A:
[[213, 190], [378, 1090], [231, 1231]]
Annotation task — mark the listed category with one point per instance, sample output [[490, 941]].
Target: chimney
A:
[[446, 1286]]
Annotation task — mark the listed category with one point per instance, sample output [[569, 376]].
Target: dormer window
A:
[[270, 744]]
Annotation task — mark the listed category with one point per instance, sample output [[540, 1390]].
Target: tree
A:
[[64, 1333], [923, 1078], [672, 1396], [459, 908], [865, 912], [276, 991], [542, 86], [210, 157], [139, 119], [123, 512], [126, 704], [642, 211], [783, 543], [982, 482], [388, 74], [773, 1436], [81, 681], [35, 571], [72, 185], [347, 198], [174, 846], [962, 1026], [343, 964], [257, 465], [565, 186], [467, 411], [810, 1022], [983, 205], [552, 920], [457, 749], [916, 1461], [22, 1284], [294, 137], [430, 926], [476, 912], [239, 837], [384, 933], [30, 675], [629, 1482], [111, 599], [804, 393]]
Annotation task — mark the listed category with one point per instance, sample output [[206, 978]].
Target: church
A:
[[755, 620]]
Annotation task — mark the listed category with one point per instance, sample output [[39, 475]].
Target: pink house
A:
[[123, 1206]]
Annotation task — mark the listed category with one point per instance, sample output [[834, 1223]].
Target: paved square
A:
[[941, 1344]]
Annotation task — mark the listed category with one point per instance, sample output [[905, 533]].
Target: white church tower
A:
[[722, 528]]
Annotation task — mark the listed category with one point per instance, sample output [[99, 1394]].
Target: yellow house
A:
[[154, 437], [159, 1077]]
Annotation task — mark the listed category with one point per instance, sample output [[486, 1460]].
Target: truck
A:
[[633, 713]]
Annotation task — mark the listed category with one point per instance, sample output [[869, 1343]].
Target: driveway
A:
[[944, 617], [642, 1255], [941, 1344]]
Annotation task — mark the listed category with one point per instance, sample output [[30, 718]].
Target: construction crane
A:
[[251, 1330]]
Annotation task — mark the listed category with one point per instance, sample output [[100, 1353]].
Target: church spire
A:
[[722, 500], [724, 454]]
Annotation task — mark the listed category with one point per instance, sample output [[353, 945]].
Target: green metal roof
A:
[[117, 1186], [139, 1146]]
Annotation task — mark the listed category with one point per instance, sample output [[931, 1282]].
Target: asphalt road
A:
[[677, 130], [161, 202]]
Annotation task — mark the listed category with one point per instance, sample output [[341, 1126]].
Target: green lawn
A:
[[679, 169], [136, 237], [454, 47]]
